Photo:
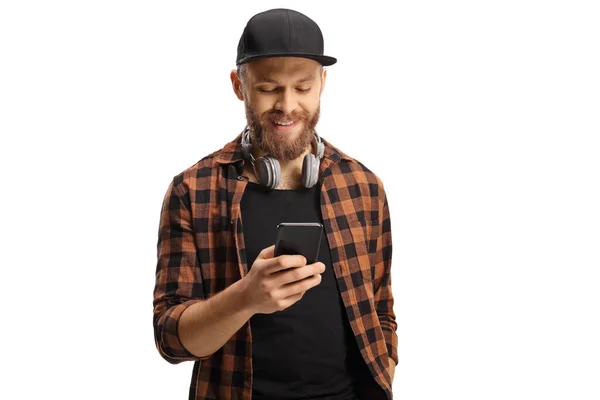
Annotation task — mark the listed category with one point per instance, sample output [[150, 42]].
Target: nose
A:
[[286, 102]]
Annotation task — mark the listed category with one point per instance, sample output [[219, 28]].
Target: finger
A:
[[318, 266], [301, 285], [297, 274], [290, 300], [286, 261], [273, 266], [295, 297], [266, 253]]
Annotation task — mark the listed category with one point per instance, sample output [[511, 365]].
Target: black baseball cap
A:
[[281, 32]]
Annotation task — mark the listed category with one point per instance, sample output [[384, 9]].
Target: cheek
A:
[[312, 101], [260, 106], [310, 105]]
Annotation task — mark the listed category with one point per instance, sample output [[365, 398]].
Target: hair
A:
[[242, 71]]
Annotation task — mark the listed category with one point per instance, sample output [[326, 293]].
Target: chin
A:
[[286, 136]]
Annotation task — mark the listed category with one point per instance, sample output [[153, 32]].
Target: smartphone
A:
[[299, 238]]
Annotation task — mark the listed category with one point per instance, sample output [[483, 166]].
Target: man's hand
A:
[[275, 283], [392, 369]]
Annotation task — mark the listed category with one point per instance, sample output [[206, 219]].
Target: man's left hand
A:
[[392, 369]]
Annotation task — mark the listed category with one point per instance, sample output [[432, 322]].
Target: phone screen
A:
[[299, 238]]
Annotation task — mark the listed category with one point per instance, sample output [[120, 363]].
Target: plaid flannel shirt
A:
[[201, 252]]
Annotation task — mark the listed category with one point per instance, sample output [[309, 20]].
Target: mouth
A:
[[284, 126]]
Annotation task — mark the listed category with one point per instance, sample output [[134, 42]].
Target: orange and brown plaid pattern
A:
[[201, 252]]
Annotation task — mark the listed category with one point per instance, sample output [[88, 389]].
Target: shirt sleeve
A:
[[178, 280], [384, 300]]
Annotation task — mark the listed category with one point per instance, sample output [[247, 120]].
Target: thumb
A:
[[266, 253]]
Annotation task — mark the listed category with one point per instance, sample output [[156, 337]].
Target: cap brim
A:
[[323, 60]]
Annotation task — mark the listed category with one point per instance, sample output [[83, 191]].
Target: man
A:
[[266, 327]]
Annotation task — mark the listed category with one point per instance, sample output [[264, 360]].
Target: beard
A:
[[278, 144]]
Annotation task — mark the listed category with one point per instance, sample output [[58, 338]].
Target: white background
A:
[[481, 118]]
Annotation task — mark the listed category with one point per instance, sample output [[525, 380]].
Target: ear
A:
[[323, 79], [236, 83]]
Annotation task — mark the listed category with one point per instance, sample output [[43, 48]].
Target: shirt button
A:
[[240, 178]]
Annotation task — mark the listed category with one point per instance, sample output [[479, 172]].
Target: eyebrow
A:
[[265, 79]]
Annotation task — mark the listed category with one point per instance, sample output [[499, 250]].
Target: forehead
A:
[[282, 68]]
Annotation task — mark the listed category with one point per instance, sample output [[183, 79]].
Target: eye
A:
[[262, 90]]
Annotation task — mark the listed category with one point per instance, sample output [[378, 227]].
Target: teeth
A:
[[284, 123]]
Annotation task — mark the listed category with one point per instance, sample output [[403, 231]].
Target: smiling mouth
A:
[[284, 126]]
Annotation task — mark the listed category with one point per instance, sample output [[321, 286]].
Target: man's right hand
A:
[[275, 283]]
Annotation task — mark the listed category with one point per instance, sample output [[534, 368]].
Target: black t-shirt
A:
[[308, 350]]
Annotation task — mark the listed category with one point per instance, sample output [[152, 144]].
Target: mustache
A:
[[280, 115], [256, 122]]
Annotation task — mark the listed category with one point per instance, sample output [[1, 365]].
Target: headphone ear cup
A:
[[270, 172], [310, 170], [264, 171], [276, 169]]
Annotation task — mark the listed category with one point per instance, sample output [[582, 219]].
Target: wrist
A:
[[242, 298]]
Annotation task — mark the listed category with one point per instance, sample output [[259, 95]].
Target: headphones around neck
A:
[[269, 170]]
